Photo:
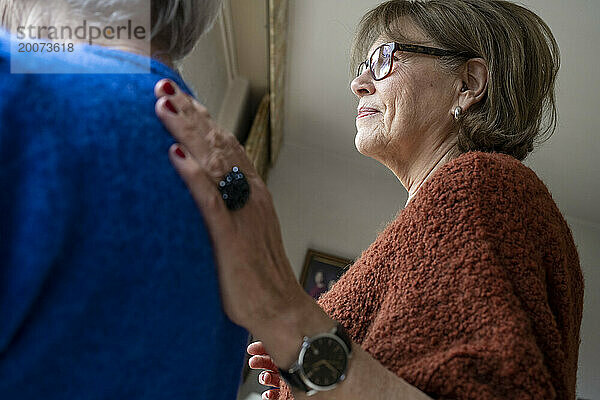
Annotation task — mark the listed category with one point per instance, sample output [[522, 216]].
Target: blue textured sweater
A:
[[108, 288]]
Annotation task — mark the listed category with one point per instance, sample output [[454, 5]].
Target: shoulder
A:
[[78, 89], [485, 168], [485, 177], [84, 114], [83, 67], [484, 190]]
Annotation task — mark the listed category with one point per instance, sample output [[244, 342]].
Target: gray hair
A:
[[176, 25]]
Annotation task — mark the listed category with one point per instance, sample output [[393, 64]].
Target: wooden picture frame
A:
[[278, 37], [321, 271]]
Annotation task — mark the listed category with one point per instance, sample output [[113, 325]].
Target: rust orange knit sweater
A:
[[474, 291]]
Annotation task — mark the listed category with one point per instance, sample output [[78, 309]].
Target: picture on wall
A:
[[321, 271]]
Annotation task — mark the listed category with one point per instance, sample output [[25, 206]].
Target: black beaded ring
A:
[[234, 189]]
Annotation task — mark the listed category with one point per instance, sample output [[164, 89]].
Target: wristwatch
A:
[[322, 363]]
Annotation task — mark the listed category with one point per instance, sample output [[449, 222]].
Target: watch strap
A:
[[293, 379], [342, 334]]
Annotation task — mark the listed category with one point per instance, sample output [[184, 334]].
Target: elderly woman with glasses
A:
[[474, 291], [108, 288]]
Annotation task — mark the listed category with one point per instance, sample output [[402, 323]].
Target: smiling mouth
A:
[[366, 112]]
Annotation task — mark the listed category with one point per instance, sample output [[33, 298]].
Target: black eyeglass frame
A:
[[410, 48]]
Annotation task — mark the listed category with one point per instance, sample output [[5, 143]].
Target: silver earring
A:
[[457, 112]]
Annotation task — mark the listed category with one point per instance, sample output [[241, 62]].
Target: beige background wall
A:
[[205, 70]]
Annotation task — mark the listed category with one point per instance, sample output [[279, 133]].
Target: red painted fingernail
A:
[[168, 88], [180, 153], [170, 107]]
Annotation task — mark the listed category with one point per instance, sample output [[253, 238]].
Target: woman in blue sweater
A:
[[107, 284]]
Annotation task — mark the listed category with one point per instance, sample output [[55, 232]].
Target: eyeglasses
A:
[[381, 61]]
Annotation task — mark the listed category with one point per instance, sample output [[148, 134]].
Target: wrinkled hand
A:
[[256, 280], [269, 377]]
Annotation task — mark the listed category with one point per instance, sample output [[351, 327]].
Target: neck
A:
[[416, 172]]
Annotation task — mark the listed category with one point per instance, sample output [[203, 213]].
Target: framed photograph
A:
[[321, 271]]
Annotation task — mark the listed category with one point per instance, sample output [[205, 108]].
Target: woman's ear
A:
[[474, 81]]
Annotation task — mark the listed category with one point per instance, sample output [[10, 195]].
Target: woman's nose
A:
[[363, 85]]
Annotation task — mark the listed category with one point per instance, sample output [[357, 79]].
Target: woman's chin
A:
[[364, 144], [359, 144]]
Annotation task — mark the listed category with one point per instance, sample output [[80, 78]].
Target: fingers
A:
[[262, 362], [201, 186], [269, 378], [191, 132], [256, 349], [189, 122], [181, 100], [164, 87], [272, 394], [186, 119]]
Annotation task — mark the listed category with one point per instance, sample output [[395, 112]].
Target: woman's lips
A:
[[365, 112]]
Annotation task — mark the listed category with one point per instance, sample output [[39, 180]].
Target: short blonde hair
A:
[[519, 109]]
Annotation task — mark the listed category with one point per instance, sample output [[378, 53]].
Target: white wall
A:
[[250, 29], [228, 68], [337, 205], [205, 70], [330, 203], [587, 238]]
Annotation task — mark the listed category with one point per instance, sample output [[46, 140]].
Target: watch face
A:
[[324, 361]]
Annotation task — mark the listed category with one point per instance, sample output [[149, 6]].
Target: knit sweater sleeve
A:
[[478, 342], [352, 301]]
